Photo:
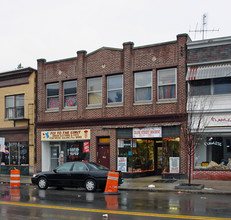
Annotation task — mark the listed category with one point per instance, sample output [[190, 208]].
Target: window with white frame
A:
[[167, 83], [14, 106], [94, 91], [216, 86], [115, 89], [70, 94], [52, 95], [143, 86]]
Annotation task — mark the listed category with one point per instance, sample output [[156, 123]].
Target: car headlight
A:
[[34, 175]]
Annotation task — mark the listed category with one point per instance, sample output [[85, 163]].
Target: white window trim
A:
[[51, 96], [166, 84], [96, 91], [69, 107], [109, 90], [138, 87]]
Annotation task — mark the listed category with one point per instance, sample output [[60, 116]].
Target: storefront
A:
[[64, 146], [212, 158], [148, 151]]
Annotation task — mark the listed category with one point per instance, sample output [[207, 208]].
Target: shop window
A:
[[14, 106], [70, 94], [222, 85], [15, 154], [166, 83], [52, 96], [94, 91], [213, 153], [77, 151], [143, 86], [171, 149], [115, 89], [200, 87]]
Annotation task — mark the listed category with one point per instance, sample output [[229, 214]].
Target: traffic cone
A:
[[112, 183]]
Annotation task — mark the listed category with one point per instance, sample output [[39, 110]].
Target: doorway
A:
[[103, 152], [54, 157]]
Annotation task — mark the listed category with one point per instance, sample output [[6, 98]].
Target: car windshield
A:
[[97, 166]]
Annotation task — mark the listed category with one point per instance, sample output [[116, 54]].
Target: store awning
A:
[[208, 72]]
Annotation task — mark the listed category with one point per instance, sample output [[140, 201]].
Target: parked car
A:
[[75, 174]]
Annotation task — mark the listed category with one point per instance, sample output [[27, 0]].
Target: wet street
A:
[[29, 202]]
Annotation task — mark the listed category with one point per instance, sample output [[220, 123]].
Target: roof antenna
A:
[[203, 30]]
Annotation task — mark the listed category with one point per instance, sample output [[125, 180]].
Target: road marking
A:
[[112, 211]]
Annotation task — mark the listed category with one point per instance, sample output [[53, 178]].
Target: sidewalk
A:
[[150, 184]]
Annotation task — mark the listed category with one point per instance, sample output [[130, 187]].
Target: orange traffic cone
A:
[[112, 183]]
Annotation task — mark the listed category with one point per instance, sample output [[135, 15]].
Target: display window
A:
[[77, 151], [213, 153], [16, 153]]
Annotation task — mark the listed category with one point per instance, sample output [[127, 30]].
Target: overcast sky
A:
[[57, 29]]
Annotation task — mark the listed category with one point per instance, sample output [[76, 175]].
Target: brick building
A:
[[17, 120], [122, 108], [209, 82]]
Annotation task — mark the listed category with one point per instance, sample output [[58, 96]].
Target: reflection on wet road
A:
[[64, 204]]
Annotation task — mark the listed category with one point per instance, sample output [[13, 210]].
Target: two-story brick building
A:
[[209, 80], [122, 108], [17, 120]]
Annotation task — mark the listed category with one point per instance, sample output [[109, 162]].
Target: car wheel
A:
[[42, 183], [90, 185]]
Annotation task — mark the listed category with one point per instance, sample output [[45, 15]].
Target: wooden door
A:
[[103, 157]]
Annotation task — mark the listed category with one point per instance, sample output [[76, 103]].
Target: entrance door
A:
[[54, 157], [158, 157], [103, 155]]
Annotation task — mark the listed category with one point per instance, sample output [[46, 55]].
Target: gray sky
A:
[[56, 29]]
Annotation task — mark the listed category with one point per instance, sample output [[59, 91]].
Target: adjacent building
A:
[[17, 120], [122, 108], [209, 81]]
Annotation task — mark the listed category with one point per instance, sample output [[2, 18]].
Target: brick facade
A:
[[104, 120]]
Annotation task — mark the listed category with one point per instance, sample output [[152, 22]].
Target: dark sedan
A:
[[74, 174]]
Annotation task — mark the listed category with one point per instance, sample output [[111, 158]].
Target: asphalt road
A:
[[29, 202]]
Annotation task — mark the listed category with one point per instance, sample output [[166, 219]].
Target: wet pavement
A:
[[156, 184]]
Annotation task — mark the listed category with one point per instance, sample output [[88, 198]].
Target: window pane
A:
[[53, 89], [167, 92], [166, 76], [70, 87], [9, 101], [143, 79], [24, 153], [115, 82], [200, 87], [222, 85], [53, 102], [70, 101], [143, 94], [115, 96], [94, 84], [20, 100], [94, 98]]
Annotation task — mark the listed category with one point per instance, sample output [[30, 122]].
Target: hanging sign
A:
[[2, 144], [86, 146], [147, 132], [65, 135]]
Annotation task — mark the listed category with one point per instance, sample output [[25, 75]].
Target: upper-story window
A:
[[14, 106], [166, 84], [143, 86], [215, 86], [70, 93], [94, 91], [115, 89], [52, 96]]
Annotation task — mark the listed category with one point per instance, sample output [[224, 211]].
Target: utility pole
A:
[[203, 30]]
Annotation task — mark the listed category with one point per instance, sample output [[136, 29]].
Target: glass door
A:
[[54, 157]]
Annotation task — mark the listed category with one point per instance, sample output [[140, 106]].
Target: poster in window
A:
[[174, 164], [86, 146], [122, 164]]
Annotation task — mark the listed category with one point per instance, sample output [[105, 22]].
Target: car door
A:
[[79, 174], [62, 175]]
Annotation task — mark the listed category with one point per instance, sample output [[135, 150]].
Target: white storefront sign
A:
[[174, 164], [150, 132], [2, 144], [122, 164], [219, 120]]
